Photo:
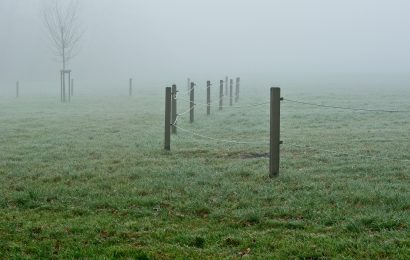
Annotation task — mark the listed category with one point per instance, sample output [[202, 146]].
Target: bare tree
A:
[[63, 28], [60, 18]]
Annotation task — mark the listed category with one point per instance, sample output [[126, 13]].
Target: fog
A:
[[158, 42]]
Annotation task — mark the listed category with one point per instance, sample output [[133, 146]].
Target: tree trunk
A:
[[63, 87]]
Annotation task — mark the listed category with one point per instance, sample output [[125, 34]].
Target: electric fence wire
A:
[[217, 100], [176, 121], [346, 108], [346, 154], [187, 111], [219, 140], [203, 104], [286, 144], [187, 93]]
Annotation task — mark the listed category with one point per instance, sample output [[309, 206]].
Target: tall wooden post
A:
[[174, 108], [237, 90], [72, 87], [191, 103], [230, 92], [17, 89], [130, 87], [226, 86], [167, 143], [208, 97], [274, 132], [221, 94]]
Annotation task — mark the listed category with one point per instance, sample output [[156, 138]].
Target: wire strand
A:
[[185, 93], [187, 111], [220, 140], [346, 108], [203, 104], [347, 154], [176, 121]]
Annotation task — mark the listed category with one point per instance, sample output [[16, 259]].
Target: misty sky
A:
[[169, 40]]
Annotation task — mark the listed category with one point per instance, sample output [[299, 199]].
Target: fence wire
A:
[[220, 140], [307, 147], [185, 93], [186, 111], [216, 106], [346, 108]]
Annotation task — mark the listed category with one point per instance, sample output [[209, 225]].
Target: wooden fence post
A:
[[167, 143], [130, 87], [17, 89], [237, 90], [226, 86], [230, 93], [191, 103], [174, 108], [221, 94], [274, 132], [208, 97]]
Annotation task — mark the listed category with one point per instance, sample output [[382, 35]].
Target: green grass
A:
[[90, 179]]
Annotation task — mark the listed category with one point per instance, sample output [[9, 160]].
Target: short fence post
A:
[[226, 86], [130, 87], [191, 103], [17, 89], [221, 94], [174, 108], [230, 93], [208, 97], [167, 143], [274, 132], [237, 90]]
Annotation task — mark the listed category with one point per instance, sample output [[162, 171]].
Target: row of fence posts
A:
[[171, 107], [130, 89], [228, 88], [208, 97], [275, 99]]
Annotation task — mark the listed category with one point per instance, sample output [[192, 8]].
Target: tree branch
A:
[[63, 29]]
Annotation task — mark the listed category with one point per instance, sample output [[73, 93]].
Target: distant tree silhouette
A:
[[63, 28]]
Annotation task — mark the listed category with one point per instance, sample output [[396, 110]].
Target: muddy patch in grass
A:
[[255, 155]]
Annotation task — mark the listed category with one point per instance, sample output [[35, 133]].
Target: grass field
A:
[[90, 179]]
